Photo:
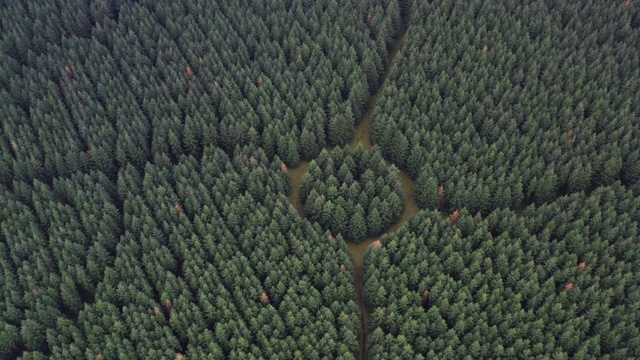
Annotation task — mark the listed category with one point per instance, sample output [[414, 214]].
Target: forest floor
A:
[[362, 135]]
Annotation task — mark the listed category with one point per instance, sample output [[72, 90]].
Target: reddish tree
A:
[[180, 357], [168, 305], [264, 298], [627, 3], [259, 81], [329, 237], [283, 167], [454, 216], [343, 268], [99, 356], [377, 244], [485, 49], [425, 295], [571, 136], [156, 310], [189, 71], [252, 159], [369, 19], [582, 265], [71, 71], [178, 208], [201, 60], [568, 287]]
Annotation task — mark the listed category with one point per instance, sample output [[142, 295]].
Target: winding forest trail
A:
[[362, 135]]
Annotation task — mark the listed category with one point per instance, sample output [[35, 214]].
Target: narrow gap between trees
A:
[[362, 135]]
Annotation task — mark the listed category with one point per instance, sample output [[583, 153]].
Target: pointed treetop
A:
[[70, 70], [571, 136], [568, 287], [264, 298], [454, 216], [179, 210]]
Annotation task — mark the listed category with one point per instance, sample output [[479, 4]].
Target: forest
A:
[[367, 194], [295, 179]]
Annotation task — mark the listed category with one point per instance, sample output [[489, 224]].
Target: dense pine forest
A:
[[294, 179]]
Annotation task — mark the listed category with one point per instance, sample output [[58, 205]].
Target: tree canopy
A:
[[557, 280], [149, 150], [352, 192], [144, 210]]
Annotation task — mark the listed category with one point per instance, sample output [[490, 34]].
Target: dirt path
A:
[[362, 135]]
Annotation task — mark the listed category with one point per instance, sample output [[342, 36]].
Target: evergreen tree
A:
[[357, 225], [426, 191]]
